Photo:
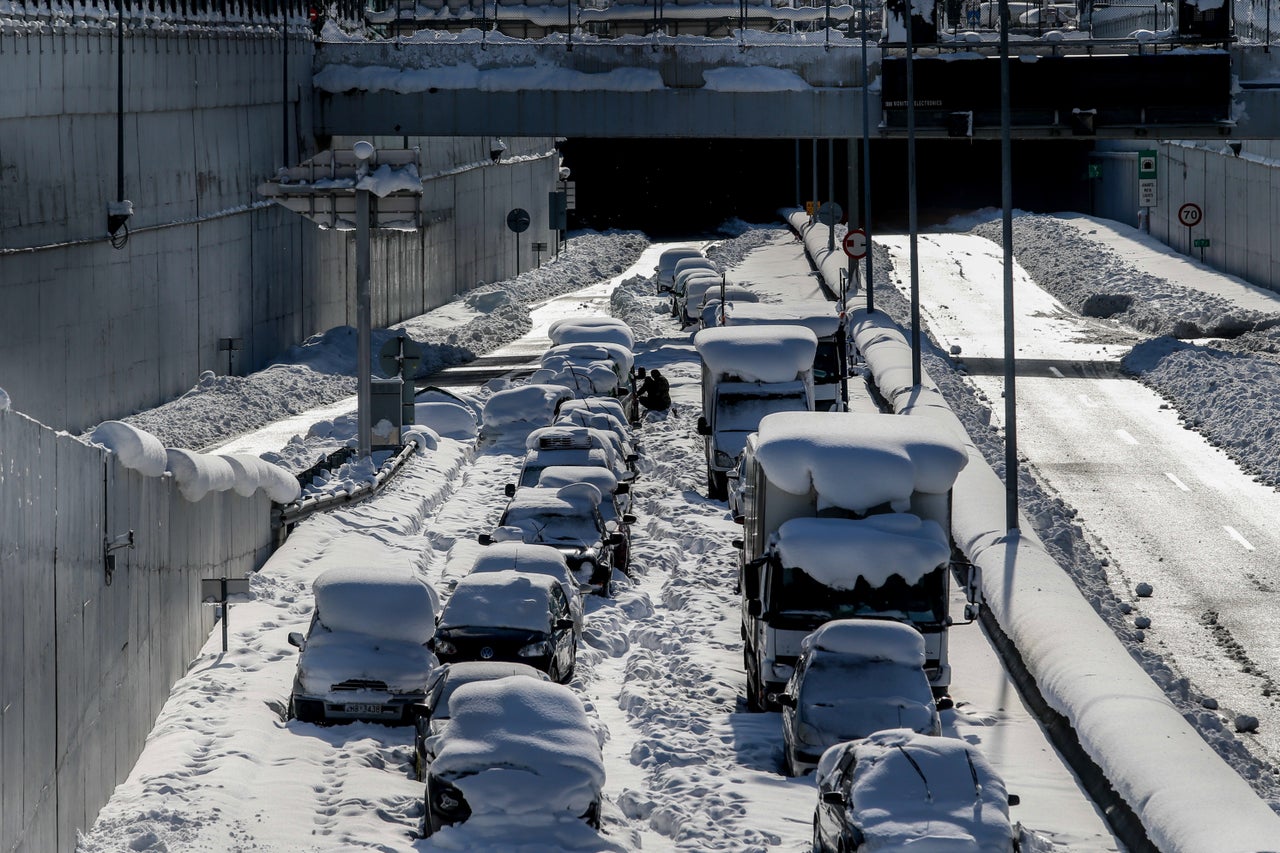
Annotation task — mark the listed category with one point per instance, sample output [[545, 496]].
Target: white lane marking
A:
[[1124, 436], [1177, 482], [1235, 534], [1056, 372], [1087, 400]]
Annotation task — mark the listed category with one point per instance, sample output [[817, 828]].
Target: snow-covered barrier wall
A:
[[87, 658], [213, 276]]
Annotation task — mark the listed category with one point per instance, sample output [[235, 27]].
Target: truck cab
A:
[[748, 373], [845, 516], [830, 362]]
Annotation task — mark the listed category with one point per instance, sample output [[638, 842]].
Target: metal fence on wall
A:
[[267, 11]]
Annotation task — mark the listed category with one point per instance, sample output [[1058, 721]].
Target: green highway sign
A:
[[1201, 243]]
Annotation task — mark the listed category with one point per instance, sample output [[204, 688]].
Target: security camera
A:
[[496, 149], [564, 173], [363, 150]]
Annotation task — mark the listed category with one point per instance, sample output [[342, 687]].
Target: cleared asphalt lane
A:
[[1164, 506]]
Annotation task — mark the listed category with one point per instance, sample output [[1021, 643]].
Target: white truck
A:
[[748, 373], [845, 515], [830, 364]]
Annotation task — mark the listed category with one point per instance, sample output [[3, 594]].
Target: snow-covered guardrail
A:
[[1187, 798], [285, 516]]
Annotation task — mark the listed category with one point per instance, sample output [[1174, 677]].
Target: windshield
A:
[[923, 602], [540, 525], [736, 412], [826, 363]]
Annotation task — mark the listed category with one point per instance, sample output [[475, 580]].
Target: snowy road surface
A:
[[660, 665]]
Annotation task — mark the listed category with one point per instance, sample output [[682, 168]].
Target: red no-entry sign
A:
[[855, 244]]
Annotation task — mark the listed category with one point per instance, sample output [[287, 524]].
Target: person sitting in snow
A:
[[654, 392]]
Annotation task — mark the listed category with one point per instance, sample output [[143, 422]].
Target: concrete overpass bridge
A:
[[798, 86]]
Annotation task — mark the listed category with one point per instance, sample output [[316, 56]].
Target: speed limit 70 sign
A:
[[1190, 214]]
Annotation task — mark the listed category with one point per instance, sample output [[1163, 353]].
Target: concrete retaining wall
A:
[[90, 332], [87, 660]]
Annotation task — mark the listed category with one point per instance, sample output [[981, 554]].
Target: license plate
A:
[[371, 710]]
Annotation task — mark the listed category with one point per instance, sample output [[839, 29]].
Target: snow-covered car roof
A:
[[332, 657], [670, 257], [580, 497], [821, 317], [845, 696], [804, 452], [458, 673], [868, 639], [595, 420], [731, 293], [517, 746], [591, 329], [908, 787], [837, 551], [383, 602], [502, 599], [556, 476], [572, 437], [583, 379], [590, 351], [532, 403], [597, 404], [754, 354]]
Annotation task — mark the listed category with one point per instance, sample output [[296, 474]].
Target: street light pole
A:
[[364, 333], [866, 165], [1006, 202], [911, 205]]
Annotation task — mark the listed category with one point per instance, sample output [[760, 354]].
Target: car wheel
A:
[[789, 764], [717, 485]]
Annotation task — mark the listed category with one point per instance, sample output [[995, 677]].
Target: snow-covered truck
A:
[[747, 373], [830, 363], [845, 515]]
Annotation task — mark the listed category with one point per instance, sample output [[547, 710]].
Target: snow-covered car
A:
[[899, 790], [854, 677], [687, 264], [709, 313], [665, 271], [613, 507], [519, 556], [513, 413], [605, 421], [608, 405], [569, 520], [583, 360], [509, 616], [574, 445], [691, 285], [517, 754], [431, 714], [366, 655], [576, 330]]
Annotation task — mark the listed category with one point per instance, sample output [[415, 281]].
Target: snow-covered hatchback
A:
[[899, 790], [516, 752], [365, 656]]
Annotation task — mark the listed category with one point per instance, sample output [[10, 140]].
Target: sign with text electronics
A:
[[1147, 178]]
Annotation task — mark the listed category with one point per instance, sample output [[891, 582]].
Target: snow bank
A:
[[253, 473], [774, 354], [869, 639], [857, 461], [838, 551], [451, 420], [572, 330], [137, 449], [382, 602], [518, 747], [504, 599]]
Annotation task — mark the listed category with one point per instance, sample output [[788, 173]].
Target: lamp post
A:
[[365, 153]]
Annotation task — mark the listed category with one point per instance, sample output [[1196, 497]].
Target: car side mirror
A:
[[946, 703], [1015, 800], [297, 640], [628, 519], [739, 519], [738, 543], [510, 490], [784, 699], [703, 427], [833, 798], [623, 488], [632, 457], [617, 538], [754, 607], [485, 539], [564, 624], [420, 711]]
